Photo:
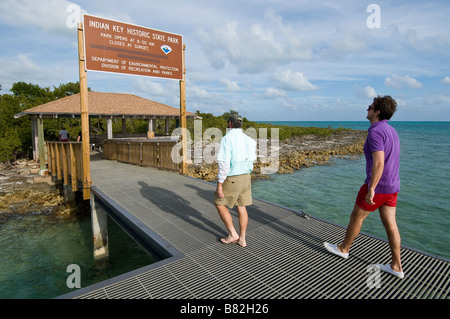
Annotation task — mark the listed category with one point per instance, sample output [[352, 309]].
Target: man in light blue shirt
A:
[[237, 151]]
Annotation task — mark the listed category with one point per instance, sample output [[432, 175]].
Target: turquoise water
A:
[[329, 192], [35, 251]]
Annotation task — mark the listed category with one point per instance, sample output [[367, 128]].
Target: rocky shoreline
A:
[[23, 190], [298, 152]]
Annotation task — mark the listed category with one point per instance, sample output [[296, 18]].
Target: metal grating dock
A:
[[284, 259]]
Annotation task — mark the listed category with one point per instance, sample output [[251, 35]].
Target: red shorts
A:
[[378, 199]]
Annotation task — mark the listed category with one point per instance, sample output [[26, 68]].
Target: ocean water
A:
[[329, 192], [35, 250]]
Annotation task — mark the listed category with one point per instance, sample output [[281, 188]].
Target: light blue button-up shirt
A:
[[237, 149]]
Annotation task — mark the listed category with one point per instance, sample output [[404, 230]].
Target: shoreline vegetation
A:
[[23, 191], [296, 152]]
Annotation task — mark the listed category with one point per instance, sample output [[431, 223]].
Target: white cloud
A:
[[254, 48], [151, 87], [321, 50], [398, 82], [47, 15], [231, 86], [429, 99], [23, 68], [400, 102], [273, 92], [343, 43], [294, 81], [369, 92], [197, 92], [58, 16]]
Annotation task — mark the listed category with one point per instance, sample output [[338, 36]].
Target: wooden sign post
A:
[[84, 117], [183, 117]]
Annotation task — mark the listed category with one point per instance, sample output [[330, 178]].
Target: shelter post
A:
[[41, 143], [109, 132], [34, 138]]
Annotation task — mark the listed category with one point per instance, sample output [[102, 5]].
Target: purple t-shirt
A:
[[383, 137]]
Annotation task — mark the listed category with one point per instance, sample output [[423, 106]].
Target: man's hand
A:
[[219, 190], [377, 171], [369, 196]]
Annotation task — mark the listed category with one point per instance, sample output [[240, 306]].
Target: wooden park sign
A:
[[111, 46]]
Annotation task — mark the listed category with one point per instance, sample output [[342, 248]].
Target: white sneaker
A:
[[387, 268], [334, 250]]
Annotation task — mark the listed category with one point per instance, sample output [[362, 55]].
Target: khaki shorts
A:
[[237, 190]]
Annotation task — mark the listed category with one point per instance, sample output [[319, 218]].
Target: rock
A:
[[43, 179], [298, 152], [34, 170], [23, 191]]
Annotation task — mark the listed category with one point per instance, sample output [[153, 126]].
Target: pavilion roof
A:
[[106, 105]]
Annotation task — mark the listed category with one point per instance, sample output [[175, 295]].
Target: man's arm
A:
[[377, 172], [224, 167]]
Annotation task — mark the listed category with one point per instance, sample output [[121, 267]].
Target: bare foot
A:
[[230, 239], [241, 243]]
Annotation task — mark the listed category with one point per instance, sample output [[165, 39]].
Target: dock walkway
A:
[[285, 256]]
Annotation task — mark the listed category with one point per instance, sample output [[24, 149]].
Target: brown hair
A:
[[386, 105]]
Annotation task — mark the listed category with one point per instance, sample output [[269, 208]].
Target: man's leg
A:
[[225, 215], [387, 215], [243, 222], [354, 227]]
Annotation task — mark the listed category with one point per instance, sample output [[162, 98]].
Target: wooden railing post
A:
[[73, 168], [64, 164], [54, 167], [58, 161], [49, 156]]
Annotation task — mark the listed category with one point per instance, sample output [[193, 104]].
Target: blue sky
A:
[[297, 60]]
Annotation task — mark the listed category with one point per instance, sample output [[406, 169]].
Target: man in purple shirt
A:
[[380, 189]]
